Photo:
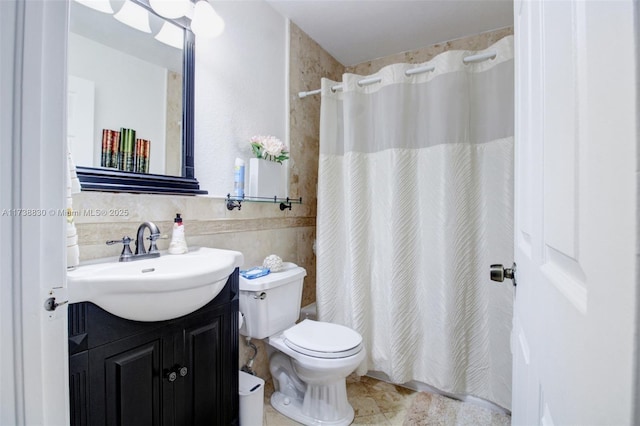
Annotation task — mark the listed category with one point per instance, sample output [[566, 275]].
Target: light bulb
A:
[[206, 22], [171, 9], [100, 5], [134, 16], [171, 35]]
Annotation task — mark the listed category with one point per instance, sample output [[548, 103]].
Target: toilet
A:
[[309, 361]]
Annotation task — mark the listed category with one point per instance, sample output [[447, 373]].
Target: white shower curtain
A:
[[415, 201]]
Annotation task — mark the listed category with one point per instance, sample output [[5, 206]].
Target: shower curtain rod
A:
[[413, 71]]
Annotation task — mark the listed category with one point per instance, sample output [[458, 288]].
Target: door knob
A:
[[499, 273]]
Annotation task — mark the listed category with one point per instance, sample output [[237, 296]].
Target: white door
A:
[[34, 378], [575, 222]]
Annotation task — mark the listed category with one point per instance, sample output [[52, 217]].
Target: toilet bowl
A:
[[309, 361], [322, 361]]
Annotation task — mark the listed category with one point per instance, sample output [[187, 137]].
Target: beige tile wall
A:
[[256, 230], [173, 148], [474, 42], [309, 63]]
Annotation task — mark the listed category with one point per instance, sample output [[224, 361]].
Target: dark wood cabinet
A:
[[126, 383], [178, 372]]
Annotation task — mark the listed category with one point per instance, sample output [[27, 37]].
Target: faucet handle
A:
[[124, 240], [153, 238], [126, 250]]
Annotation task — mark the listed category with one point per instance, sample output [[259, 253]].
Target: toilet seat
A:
[[323, 339]]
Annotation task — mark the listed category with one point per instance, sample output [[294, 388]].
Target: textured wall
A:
[[240, 85], [475, 42], [173, 158]]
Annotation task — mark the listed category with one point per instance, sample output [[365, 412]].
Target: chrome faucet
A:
[[155, 234], [141, 253]]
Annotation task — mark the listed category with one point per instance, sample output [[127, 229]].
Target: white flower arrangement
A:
[[270, 148]]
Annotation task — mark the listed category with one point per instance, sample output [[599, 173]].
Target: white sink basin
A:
[[155, 289]]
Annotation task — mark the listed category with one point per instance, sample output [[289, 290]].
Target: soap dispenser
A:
[[178, 243]]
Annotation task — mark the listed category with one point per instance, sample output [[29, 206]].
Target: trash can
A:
[[251, 399]]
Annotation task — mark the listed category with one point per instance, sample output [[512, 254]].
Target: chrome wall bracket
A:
[[285, 203]]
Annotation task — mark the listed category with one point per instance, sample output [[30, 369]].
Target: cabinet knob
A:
[[171, 376]]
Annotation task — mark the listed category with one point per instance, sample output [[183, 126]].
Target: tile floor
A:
[[379, 403], [374, 402]]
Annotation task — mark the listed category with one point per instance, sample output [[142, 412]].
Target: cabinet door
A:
[[78, 389], [201, 396], [125, 386]]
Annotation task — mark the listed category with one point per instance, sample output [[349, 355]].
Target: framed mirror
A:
[[131, 100]]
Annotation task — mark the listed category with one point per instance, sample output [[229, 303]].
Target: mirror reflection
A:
[[124, 78]]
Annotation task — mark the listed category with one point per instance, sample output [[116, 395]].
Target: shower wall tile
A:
[[308, 257], [308, 64], [475, 42], [261, 361]]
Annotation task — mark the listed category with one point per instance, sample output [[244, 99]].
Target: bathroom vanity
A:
[[182, 371]]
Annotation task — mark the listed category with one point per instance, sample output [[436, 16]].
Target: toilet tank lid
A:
[[290, 272]]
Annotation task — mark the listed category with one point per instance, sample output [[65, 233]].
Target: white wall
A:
[[129, 93], [241, 89]]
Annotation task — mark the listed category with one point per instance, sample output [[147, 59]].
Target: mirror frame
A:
[[109, 180]]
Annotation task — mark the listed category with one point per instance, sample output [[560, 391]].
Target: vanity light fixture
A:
[[171, 35], [171, 9], [134, 16], [206, 22], [100, 5]]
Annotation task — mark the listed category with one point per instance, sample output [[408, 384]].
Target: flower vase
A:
[[266, 178]]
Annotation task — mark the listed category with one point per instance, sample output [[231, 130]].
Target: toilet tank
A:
[[271, 304]]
